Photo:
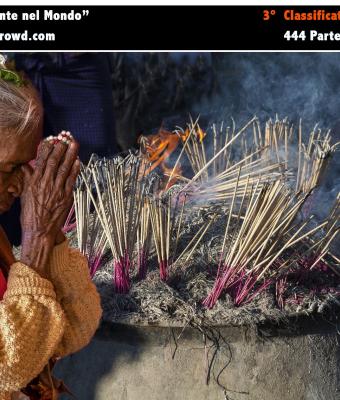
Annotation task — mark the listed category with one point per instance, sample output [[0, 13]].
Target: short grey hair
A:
[[20, 107]]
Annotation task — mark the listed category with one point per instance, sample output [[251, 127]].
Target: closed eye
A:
[[6, 172], [11, 169]]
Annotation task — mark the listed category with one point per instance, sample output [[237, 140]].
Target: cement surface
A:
[[144, 363]]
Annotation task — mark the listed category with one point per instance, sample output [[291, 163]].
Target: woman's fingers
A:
[[53, 163], [71, 180], [67, 164], [58, 168], [45, 149]]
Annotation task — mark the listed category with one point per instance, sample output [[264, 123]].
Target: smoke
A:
[[296, 85], [293, 84], [217, 86]]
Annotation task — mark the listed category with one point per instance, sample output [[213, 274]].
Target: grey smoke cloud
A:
[[296, 85], [219, 85]]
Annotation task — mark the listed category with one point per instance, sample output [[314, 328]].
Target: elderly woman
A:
[[49, 307]]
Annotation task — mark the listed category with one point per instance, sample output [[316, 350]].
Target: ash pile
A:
[[218, 226]]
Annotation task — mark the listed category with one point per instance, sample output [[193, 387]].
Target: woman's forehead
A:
[[18, 149]]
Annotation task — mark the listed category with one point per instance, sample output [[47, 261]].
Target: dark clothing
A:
[[76, 92]]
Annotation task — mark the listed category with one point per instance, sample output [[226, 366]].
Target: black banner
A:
[[169, 28]]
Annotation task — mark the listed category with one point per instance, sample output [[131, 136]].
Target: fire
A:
[[157, 148], [184, 135], [198, 133]]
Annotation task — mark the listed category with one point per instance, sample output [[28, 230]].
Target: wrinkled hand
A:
[[46, 199]]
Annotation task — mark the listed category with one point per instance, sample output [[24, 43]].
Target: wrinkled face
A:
[[15, 151]]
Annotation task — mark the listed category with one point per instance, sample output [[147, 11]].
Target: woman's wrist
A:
[[35, 251]]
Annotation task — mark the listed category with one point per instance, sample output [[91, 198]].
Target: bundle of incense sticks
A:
[[269, 229], [243, 175], [143, 240], [92, 240], [167, 217], [217, 172], [118, 200], [193, 145], [317, 249], [163, 222], [307, 157], [131, 213], [275, 152], [313, 160], [204, 164]]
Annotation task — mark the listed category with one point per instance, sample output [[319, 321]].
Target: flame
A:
[[198, 132], [184, 135], [157, 148]]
